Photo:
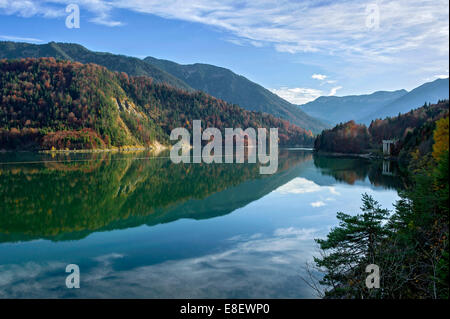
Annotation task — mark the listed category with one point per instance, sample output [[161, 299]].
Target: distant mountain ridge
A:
[[413, 131], [216, 81], [430, 92], [378, 105], [233, 88], [336, 109]]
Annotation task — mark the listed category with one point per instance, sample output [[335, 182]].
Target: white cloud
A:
[[300, 233], [309, 26], [436, 76], [266, 266], [441, 76], [411, 32], [27, 9], [333, 191], [297, 95], [100, 9], [318, 204], [298, 185], [320, 77], [302, 95], [334, 90], [236, 41]]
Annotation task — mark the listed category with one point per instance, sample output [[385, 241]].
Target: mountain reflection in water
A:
[[135, 218]]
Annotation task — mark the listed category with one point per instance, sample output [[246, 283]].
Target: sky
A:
[[299, 50]]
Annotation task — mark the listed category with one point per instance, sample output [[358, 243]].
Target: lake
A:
[[139, 226]]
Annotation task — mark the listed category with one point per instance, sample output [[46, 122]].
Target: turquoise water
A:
[[139, 226]]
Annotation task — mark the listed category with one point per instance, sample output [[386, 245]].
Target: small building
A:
[[387, 168], [387, 146]]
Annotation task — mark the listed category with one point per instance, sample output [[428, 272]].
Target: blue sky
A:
[[298, 49]]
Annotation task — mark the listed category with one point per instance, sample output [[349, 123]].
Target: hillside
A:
[[412, 130], [218, 82], [379, 105], [46, 103], [75, 52], [233, 88]]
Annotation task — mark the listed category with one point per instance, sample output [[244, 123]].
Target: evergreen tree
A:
[[350, 247]]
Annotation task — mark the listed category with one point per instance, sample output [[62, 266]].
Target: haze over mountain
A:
[[429, 92], [380, 104], [216, 81], [233, 88]]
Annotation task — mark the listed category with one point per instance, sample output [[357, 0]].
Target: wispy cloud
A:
[[334, 90], [409, 30], [99, 9], [259, 266], [436, 76], [441, 76], [318, 204], [30, 8], [320, 77], [15, 38], [337, 28], [300, 233], [302, 95], [297, 95]]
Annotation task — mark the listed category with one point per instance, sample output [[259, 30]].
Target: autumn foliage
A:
[[41, 100], [441, 143], [412, 130], [344, 138]]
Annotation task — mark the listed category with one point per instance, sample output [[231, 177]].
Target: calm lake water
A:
[[140, 226]]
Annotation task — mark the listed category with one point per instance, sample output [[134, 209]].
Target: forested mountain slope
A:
[[75, 52], [218, 82], [46, 103], [231, 87], [412, 130]]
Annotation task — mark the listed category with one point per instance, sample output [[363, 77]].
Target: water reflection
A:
[[352, 170], [140, 226], [243, 270], [68, 199]]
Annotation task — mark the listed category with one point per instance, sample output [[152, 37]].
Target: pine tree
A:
[[350, 247]]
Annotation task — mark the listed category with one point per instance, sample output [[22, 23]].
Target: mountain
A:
[[75, 52], [381, 104], [46, 103], [337, 109], [218, 82], [233, 88], [430, 92], [412, 130]]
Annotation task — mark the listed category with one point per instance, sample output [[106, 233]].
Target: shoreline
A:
[[134, 149], [369, 156], [157, 147]]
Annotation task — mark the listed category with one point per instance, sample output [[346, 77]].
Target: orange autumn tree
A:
[[441, 142]]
